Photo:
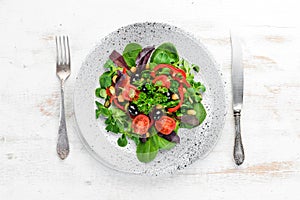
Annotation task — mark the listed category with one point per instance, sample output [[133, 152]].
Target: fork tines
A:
[[63, 50]]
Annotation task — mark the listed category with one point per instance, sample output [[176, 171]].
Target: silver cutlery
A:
[[63, 71], [237, 90]]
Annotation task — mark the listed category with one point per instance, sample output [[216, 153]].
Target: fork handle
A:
[[63, 141], [238, 152]]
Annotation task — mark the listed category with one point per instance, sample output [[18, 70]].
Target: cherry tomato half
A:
[[165, 125], [140, 124]]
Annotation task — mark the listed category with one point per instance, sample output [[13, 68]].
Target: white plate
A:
[[195, 143]]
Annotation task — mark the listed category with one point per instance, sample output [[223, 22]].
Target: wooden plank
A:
[[29, 95]]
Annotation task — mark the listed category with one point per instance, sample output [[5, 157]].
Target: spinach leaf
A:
[[105, 79], [200, 112], [163, 143], [122, 141], [165, 53], [146, 152], [131, 52]]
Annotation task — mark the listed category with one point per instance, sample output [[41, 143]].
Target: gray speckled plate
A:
[[195, 143]]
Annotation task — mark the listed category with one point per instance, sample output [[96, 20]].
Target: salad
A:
[[148, 94]]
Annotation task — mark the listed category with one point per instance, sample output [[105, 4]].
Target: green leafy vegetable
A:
[[146, 152], [101, 109], [97, 92], [196, 68], [122, 141], [165, 53], [202, 88], [116, 118], [98, 113], [200, 112], [170, 104], [163, 143], [135, 138], [110, 65], [100, 93], [105, 79], [112, 128], [152, 65], [174, 86], [165, 71], [186, 125], [131, 52], [155, 95]]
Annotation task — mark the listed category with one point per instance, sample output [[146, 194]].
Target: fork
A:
[[63, 71]]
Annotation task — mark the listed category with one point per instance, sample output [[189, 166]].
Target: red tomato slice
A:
[[140, 124], [164, 79], [165, 125]]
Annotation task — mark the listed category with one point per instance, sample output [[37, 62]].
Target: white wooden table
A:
[[29, 100]]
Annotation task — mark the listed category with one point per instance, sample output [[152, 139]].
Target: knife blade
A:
[[237, 79]]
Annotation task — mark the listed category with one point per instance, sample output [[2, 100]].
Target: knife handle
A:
[[238, 152]]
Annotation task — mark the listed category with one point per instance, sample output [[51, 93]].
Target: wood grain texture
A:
[[29, 100]]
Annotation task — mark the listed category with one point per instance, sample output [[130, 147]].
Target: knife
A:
[[237, 78]]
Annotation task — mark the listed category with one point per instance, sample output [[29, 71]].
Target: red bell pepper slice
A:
[[108, 92], [172, 68], [115, 100], [180, 90], [111, 98], [117, 103]]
